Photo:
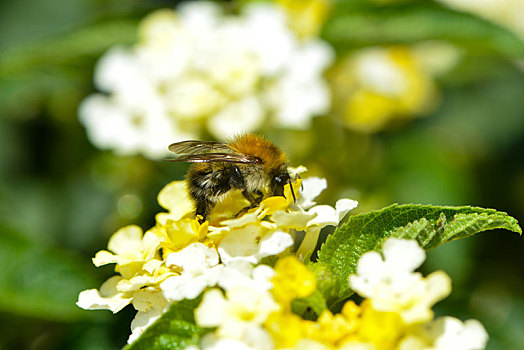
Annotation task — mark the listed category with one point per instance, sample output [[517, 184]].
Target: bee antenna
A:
[[292, 192]]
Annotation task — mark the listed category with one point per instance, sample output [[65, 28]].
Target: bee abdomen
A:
[[211, 184]]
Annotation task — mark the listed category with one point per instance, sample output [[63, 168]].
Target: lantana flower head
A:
[[199, 69], [392, 285], [241, 312], [246, 304], [376, 85], [242, 324], [180, 257]]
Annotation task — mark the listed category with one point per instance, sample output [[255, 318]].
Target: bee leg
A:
[[249, 196], [203, 208], [259, 197], [243, 211]]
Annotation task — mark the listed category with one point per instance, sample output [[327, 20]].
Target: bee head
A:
[[278, 180]]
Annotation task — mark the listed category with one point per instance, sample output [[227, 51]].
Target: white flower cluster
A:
[[239, 316], [247, 305], [197, 256], [392, 286], [200, 69]]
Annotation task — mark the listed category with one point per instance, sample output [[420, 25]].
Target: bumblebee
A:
[[249, 163]]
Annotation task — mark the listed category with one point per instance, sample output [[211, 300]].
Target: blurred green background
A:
[[61, 198]]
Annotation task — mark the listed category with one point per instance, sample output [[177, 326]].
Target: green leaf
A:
[[353, 27], [39, 281], [175, 329], [429, 225]]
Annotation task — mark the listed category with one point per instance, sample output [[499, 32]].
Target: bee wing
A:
[[198, 147], [215, 157]]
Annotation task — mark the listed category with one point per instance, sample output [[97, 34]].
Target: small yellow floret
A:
[[383, 329], [286, 328], [332, 329], [292, 280], [272, 204], [179, 234]]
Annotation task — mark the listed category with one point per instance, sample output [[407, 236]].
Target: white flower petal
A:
[[108, 298], [142, 321], [447, 333], [151, 266], [262, 275], [241, 244], [212, 309], [293, 219], [174, 197], [274, 243], [403, 254], [325, 215], [138, 281], [242, 274], [127, 240], [187, 286], [194, 259], [236, 273], [146, 299], [311, 188], [343, 206], [470, 335]]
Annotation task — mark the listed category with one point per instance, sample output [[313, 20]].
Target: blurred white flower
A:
[[446, 333], [375, 85], [392, 286], [200, 68]]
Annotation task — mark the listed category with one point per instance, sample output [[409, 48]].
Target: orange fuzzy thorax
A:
[[254, 145]]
